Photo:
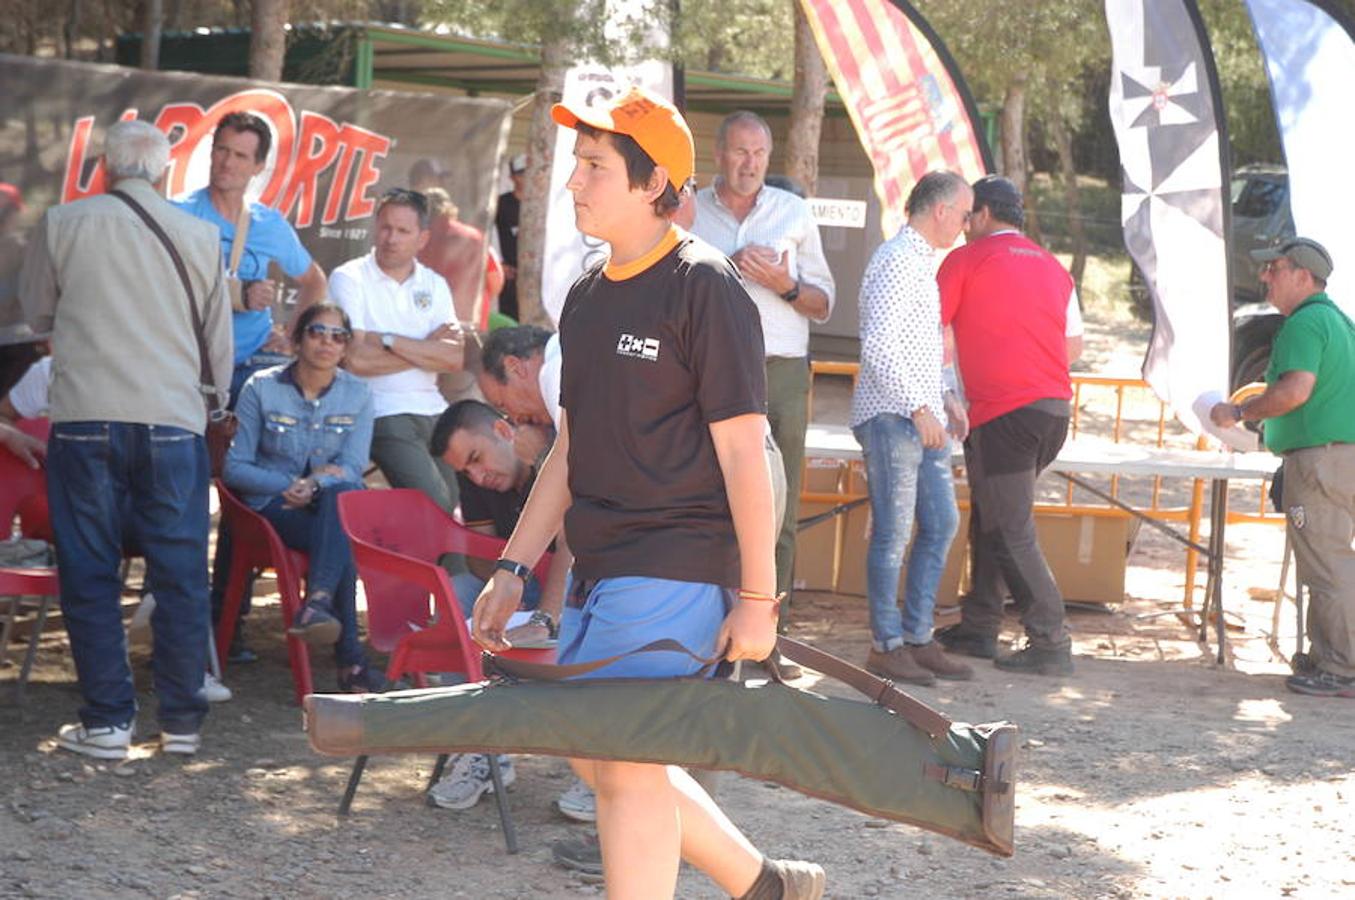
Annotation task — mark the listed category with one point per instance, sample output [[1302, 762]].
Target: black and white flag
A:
[[1168, 120], [1309, 49]]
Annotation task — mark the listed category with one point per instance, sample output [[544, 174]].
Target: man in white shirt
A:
[[521, 374], [771, 236], [900, 415], [405, 335]]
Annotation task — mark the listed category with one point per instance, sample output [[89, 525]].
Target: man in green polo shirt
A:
[[1309, 410]]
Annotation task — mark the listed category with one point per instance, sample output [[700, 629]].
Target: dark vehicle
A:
[[1261, 218]]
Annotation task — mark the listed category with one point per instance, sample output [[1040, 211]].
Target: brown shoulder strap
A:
[[204, 366], [530, 671], [878, 690]]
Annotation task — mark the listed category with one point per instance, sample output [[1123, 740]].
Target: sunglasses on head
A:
[[320, 330]]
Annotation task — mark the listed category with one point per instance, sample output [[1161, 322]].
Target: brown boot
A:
[[931, 656], [898, 665]]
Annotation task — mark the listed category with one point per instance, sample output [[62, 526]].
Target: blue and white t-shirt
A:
[[271, 238]]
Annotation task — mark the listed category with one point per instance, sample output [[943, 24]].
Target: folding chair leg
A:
[[510, 837], [358, 765], [8, 628], [34, 636], [438, 768], [213, 661]]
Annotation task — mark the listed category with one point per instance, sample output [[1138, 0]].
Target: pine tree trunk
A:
[[1013, 127], [267, 39], [151, 22], [806, 107], [550, 87], [70, 32], [1063, 142]]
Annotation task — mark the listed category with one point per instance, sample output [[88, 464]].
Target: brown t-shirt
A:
[[649, 362]]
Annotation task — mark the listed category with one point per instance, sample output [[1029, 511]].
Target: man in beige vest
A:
[[127, 462]]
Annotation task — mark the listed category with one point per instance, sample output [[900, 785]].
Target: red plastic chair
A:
[[23, 490], [398, 537], [255, 545]]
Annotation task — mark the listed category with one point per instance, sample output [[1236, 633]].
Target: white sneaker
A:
[[100, 742], [182, 744], [216, 691], [578, 802], [468, 781], [139, 627]]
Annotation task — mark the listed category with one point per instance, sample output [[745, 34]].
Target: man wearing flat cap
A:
[[1309, 417], [1010, 304]]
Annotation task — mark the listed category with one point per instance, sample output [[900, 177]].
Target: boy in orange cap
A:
[[660, 476]]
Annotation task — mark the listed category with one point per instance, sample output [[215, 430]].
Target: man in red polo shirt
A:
[[1007, 300]]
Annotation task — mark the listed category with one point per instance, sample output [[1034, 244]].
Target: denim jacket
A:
[[282, 436]]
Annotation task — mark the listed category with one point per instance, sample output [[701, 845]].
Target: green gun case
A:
[[893, 757]]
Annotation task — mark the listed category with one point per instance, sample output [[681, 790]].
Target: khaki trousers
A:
[[1319, 502], [788, 415]]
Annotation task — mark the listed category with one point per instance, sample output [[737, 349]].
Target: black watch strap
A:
[[517, 568], [793, 294]]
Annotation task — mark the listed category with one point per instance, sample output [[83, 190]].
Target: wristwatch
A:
[[516, 568], [388, 341], [793, 294], [1237, 412], [541, 617]]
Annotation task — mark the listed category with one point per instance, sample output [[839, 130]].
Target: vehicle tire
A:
[[1252, 365]]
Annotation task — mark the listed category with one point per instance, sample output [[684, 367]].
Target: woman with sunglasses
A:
[[304, 437]]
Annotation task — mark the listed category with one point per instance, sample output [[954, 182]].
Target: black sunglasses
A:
[[320, 330]]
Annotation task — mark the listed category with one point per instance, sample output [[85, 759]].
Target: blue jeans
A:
[[467, 586], [111, 484], [904, 479], [317, 531], [221, 561]]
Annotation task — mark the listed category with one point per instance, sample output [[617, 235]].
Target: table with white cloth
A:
[[1098, 457]]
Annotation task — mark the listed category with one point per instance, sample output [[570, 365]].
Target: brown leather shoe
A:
[[898, 665], [931, 656]]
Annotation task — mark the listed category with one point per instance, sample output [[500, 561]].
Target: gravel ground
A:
[[1151, 772]]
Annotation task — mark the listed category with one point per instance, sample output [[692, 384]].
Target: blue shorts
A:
[[618, 615]]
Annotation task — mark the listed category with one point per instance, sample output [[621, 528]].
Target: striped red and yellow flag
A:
[[903, 92]]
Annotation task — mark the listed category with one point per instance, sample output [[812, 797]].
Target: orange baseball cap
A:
[[654, 124]]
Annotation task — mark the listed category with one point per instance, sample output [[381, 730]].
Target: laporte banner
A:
[[335, 150]]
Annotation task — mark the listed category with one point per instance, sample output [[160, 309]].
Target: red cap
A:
[[12, 194]]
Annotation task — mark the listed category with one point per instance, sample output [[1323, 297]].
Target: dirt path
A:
[[1149, 773]]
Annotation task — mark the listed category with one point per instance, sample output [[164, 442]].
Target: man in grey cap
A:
[[1310, 420]]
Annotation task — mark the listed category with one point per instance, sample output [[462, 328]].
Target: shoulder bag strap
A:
[[238, 242], [205, 368]]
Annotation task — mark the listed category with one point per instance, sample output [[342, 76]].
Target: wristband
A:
[[515, 568], [758, 595], [1237, 412], [793, 294]]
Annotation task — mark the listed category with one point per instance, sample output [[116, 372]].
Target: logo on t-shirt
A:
[[640, 348], [423, 299]]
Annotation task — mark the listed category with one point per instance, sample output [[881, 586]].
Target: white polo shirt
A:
[[548, 378], [413, 308]]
